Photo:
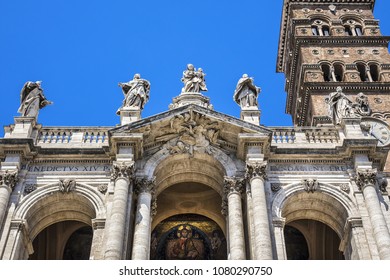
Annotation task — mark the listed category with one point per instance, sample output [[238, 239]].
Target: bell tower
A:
[[328, 44]]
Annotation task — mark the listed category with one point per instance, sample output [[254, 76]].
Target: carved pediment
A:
[[189, 129]]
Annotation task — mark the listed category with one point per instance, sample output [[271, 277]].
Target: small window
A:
[[374, 71], [327, 73], [348, 31], [363, 72], [338, 72], [314, 30], [359, 31], [325, 30]]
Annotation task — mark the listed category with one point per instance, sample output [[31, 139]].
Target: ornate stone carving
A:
[[9, 178], [345, 188], [190, 132], [102, 188], [275, 187], [193, 80], [122, 170], [67, 185], [231, 185], [366, 177], [256, 170], [145, 185], [136, 93], [32, 99], [29, 188], [246, 92], [340, 106], [153, 208], [310, 185], [382, 184], [361, 106]]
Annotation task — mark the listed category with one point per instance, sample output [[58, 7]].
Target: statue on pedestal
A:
[[193, 80], [136, 93], [246, 92], [32, 99], [340, 106]]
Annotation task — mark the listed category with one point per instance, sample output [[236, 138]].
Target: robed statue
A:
[[340, 106], [246, 92], [32, 99], [136, 93], [194, 81]]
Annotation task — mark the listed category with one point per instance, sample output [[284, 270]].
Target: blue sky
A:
[[82, 49]]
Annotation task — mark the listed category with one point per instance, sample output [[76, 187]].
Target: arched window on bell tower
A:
[[326, 70], [362, 68], [320, 28], [338, 72], [374, 72], [353, 28]]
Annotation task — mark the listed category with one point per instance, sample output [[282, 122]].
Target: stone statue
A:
[[246, 92], [136, 93], [32, 99], [340, 106], [193, 80], [361, 106]]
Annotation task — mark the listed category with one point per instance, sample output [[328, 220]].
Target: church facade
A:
[[192, 183]]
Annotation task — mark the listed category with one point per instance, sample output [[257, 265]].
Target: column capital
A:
[[9, 178], [122, 170], [366, 177], [145, 185], [233, 185], [256, 170]]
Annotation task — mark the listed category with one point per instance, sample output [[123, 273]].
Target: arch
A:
[[362, 68], [338, 71], [320, 26], [374, 71], [327, 204], [219, 164], [48, 205], [326, 70]]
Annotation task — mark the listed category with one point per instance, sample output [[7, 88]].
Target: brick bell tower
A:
[[325, 44]]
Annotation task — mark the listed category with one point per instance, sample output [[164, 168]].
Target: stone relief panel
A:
[[188, 133]]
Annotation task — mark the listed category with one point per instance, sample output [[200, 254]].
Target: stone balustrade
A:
[[303, 135], [76, 136]]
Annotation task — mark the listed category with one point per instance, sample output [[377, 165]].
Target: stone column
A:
[[280, 243], [141, 245], [121, 174], [366, 179], [8, 181], [251, 231], [233, 189], [263, 247]]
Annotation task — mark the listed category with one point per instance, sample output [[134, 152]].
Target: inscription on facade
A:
[[309, 168], [68, 168]]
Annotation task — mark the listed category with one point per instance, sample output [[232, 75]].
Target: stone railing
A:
[[300, 135], [95, 136]]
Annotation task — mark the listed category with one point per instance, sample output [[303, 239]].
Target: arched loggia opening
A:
[[320, 219], [57, 223]]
